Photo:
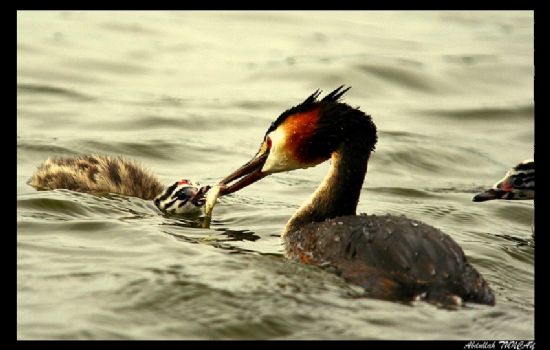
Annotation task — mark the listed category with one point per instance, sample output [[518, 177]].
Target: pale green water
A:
[[190, 94]]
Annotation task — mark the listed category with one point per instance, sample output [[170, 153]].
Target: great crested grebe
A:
[[97, 174], [517, 184], [392, 257]]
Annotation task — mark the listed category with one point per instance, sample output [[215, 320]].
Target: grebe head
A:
[[304, 136], [517, 184], [182, 197]]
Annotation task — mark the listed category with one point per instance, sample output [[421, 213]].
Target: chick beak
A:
[[199, 199]]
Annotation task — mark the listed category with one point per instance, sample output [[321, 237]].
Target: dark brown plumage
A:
[[392, 257]]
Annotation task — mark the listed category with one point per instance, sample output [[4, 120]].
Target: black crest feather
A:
[[525, 166], [308, 104], [336, 94]]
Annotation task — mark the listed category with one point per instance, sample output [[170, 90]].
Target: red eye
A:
[[268, 142], [183, 182]]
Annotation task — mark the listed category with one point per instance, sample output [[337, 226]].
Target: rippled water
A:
[[190, 95]]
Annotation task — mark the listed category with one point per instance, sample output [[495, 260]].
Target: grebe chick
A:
[[517, 184], [392, 257], [97, 174]]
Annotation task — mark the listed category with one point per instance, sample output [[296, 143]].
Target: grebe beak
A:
[[489, 195], [246, 175], [499, 191]]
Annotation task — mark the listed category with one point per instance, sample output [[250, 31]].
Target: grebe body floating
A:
[[97, 174], [392, 257]]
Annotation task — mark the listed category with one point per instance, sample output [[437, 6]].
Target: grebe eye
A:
[[268, 142]]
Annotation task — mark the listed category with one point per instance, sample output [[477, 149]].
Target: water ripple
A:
[[37, 89]]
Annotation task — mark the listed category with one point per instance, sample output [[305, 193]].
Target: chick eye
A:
[[184, 193], [268, 142], [517, 182]]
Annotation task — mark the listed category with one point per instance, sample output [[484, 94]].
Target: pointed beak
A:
[[199, 199], [245, 175], [499, 191], [489, 195]]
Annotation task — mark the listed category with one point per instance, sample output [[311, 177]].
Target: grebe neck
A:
[[339, 192]]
